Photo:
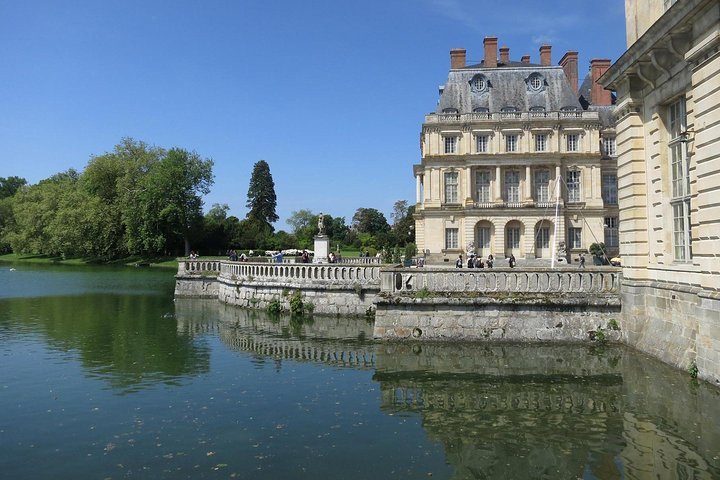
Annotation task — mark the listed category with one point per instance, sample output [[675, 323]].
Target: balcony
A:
[[480, 117], [524, 204]]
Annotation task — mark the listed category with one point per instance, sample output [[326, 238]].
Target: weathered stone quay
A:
[[534, 304]]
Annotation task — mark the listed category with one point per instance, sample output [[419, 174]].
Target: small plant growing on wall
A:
[[275, 307], [693, 370], [613, 324], [296, 304]]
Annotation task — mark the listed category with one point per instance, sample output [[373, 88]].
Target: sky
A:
[[331, 93]]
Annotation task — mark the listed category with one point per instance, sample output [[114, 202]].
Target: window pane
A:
[[512, 186], [540, 142], [611, 232], [482, 143], [512, 238], [450, 144], [575, 237], [573, 186], [609, 189], [482, 183], [451, 238], [511, 143], [451, 187], [542, 179]]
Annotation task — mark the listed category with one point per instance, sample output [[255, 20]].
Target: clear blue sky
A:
[[331, 93]]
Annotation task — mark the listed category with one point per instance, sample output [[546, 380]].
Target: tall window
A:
[[451, 187], [575, 237], [482, 183], [541, 142], [572, 142], [573, 186], [511, 143], [512, 186], [542, 237], [611, 232], [542, 180], [609, 189], [481, 143], [512, 237], [609, 146], [680, 180], [451, 238], [450, 144], [484, 237]]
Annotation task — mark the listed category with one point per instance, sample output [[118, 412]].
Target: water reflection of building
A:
[[510, 411]]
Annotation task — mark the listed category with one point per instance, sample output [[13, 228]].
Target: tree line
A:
[[142, 200]]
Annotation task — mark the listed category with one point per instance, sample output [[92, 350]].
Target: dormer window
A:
[[450, 110], [535, 82], [481, 110], [479, 84], [509, 109]]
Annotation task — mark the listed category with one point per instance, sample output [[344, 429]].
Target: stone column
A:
[[498, 191], [468, 185], [528, 183], [418, 182]]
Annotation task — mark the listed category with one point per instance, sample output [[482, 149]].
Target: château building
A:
[[668, 124], [505, 138]]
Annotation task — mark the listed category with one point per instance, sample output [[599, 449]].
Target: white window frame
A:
[[612, 237], [541, 142], [572, 142], [541, 179], [512, 237], [574, 186], [482, 143], [452, 240], [575, 237], [451, 190], [483, 186], [450, 144], [679, 180], [609, 146], [511, 186], [511, 142], [542, 237]]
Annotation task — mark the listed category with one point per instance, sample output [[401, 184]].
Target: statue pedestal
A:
[[322, 249]]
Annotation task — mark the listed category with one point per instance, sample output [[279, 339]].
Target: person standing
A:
[[511, 261], [459, 262], [490, 261], [582, 260]]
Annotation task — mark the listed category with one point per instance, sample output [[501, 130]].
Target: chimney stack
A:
[[490, 44], [569, 63], [525, 59], [505, 54], [457, 58], [598, 95], [545, 60]]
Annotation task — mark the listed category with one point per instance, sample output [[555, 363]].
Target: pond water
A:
[[103, 375]]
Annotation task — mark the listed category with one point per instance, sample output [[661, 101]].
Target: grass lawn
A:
[[160, 262]]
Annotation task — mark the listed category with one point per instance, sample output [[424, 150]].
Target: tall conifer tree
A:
[[261, 194]]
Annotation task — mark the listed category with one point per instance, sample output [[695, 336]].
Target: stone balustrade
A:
[[502, 280], [500, 116], [198, 267], [302, 274]]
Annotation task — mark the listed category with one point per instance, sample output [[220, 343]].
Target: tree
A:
[[301, 219], [261, 194], [10, 185], [370, 220], [403, 229]]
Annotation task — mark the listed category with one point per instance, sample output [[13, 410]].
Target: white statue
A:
[[321, 224]]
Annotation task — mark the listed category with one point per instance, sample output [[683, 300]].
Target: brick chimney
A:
[[569, 63], [598, 95], [505, 54], [490, 44], [545, 60], [525, 59], [457, 58]]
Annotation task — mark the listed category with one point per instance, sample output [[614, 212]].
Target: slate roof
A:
[[508, 87]]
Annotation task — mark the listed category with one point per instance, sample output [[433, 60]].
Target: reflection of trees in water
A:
[[507, 410], [128, 341]]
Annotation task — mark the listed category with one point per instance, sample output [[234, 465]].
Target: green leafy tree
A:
[[369, 220], [403, 228], [10, 185], [262, 200]]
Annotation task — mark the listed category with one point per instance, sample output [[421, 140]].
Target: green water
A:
[[103, 375]]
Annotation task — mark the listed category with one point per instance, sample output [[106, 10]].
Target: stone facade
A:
[[668, 91], [506, 140]]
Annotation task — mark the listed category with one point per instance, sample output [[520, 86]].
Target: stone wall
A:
[[499, 304]]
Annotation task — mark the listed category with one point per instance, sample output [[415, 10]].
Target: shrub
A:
[[275, 307]]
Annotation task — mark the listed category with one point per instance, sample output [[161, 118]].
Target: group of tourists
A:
[[475, 261]]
